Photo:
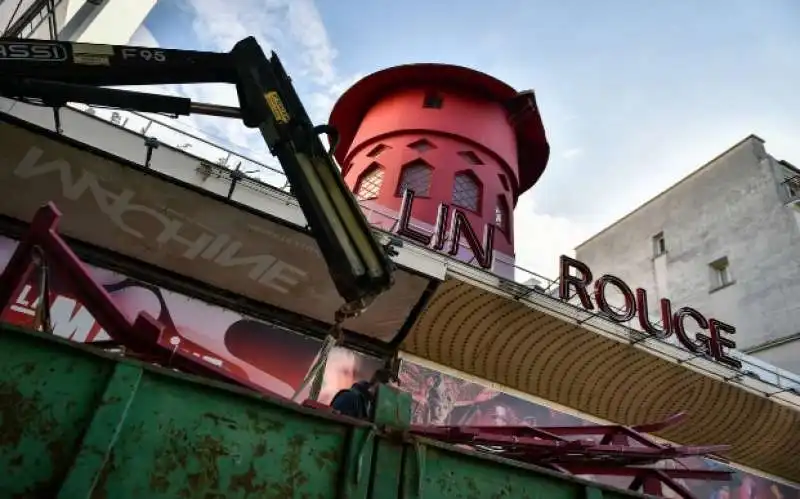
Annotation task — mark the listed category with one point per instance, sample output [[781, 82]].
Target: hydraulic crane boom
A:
[[53, 73]]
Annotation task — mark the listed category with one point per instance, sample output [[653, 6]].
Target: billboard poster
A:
[[277, 359]]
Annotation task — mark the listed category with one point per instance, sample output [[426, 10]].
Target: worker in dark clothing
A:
[[358, 400]]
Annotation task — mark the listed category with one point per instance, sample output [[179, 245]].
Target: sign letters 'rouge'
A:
[[712, 344]]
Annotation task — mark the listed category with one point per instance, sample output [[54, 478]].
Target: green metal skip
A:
[[76, 423]]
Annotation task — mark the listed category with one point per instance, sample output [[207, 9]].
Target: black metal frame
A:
[[54, 73]]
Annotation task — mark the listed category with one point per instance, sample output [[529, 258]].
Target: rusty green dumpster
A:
[[79, 423]]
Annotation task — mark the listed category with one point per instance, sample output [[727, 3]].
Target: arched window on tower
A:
[[501, 220], [369, 183], [417, 177], [467, 192]]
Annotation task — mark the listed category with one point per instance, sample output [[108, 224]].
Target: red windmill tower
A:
[[455, 137]]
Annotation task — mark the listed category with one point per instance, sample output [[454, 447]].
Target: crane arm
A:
[[54, 73]]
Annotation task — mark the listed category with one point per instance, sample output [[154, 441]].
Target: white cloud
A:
[[572, 153], [541, 239], [292, 28], [143, 38]]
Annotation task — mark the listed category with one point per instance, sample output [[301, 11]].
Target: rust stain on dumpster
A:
[[172, 457], [207, 451], [101, 489], [245, 481], [18, 412], [20, 415], [292, 469], [326, 458]]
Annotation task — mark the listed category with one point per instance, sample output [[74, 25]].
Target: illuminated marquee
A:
[[712, 344]]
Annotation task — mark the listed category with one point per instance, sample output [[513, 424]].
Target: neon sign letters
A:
[[713, 344], [458, 226]]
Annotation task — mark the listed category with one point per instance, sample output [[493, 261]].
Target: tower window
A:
[[659, 245], [470, 157], [422, 145], [377, 150], [466, 192], [501, 214], [720, 273], [416, 176], [369, 185], [433, 100]]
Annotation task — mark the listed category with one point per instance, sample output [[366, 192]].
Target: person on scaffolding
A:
[[358, 401]]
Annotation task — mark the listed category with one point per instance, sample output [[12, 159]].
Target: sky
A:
[[634, 95]]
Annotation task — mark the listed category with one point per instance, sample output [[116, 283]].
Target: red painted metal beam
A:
[[679, 474], [613, 450], [141, 339]]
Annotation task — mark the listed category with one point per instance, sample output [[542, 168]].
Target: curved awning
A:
[[552, 350]]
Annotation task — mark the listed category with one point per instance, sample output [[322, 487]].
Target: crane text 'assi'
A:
[[712, 344]]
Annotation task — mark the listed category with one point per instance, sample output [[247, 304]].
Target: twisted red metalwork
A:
[[611, 450], [140, 339]]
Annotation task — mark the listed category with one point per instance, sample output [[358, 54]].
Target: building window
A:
[[501, 214], [720, 273], [470, 157], [422, 145], [377, 150], [659, 245], [369, 184], [432, 100], [466, 192], [792, 187], [417, 177]]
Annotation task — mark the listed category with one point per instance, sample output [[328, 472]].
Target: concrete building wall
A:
[[114, 23], [733, 208], [103, 21]]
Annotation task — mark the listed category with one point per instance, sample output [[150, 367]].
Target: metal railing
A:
[[261, 174], [258, 166], [34, 21]]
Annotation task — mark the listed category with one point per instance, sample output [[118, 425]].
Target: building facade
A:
[[724, 240], [92, 21]]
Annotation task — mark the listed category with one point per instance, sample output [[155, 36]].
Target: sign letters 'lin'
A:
[[155, 220], [447, 228]]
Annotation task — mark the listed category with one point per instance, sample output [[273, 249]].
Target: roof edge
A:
[[702, 167], [531, 138]]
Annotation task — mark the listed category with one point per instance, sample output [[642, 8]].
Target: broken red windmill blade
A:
[[140, 338], [611, 450]]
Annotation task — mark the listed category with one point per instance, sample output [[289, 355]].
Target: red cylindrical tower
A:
[[453, 135]]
